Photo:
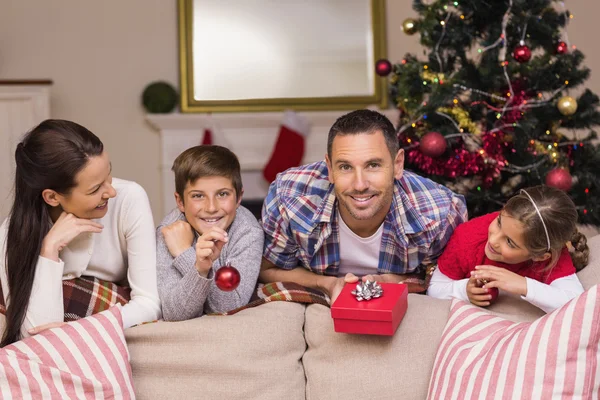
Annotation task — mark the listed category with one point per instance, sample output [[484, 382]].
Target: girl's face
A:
[[89, 198], [505, 240]]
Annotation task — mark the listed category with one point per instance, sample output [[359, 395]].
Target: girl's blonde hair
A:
[[560, 217]]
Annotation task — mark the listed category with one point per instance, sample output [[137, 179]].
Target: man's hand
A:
[[336, 285], [208, 249], [478, 295], [179, 237], [502, 279], [385, 278]]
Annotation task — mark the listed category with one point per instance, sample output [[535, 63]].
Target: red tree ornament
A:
[[559, 178], [561, 48], [383, 67], [433, 144], [227, 278], [522, 53]]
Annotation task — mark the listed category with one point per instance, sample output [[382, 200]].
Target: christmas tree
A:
[[492, 107]]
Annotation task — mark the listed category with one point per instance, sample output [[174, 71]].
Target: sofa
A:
[[283, 350]]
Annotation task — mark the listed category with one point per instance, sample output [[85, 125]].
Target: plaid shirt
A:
[[300, 220]]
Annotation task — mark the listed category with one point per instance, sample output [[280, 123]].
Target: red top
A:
[[466, 249]]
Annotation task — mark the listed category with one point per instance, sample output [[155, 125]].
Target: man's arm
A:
[[329, 285]]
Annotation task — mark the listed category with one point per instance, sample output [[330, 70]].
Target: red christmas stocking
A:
[[207, 137], [289, 147]]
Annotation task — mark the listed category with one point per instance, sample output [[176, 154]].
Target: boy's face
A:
[[209, 201]]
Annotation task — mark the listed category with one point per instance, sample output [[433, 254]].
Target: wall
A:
[[101, 55]]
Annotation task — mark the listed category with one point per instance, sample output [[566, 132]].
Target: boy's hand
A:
[[179, 237], [478, 295], [502, 279], [208, 249]]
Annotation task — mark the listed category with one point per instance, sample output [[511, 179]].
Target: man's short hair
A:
[[203, 161], [364, 122]]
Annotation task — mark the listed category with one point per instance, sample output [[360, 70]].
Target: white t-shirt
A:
[[358, 255], [125, 250]]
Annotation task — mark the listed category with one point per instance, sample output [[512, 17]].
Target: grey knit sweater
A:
[[184, 294]]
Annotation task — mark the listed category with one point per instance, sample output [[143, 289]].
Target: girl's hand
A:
[[208, 249], [66, 228], [501, 278], [476, 294]]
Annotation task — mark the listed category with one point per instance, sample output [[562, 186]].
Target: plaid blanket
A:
[[85, 296]]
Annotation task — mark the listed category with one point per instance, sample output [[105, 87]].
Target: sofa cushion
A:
[[482, 356], [254, 354], [345, 366], [83, 359]]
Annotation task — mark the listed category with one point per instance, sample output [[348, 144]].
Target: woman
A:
[[70, 219]]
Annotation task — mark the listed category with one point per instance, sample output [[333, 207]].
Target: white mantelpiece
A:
[[251, 136], [22, 106]]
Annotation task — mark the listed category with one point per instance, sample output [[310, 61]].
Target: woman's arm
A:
[[46, 300], [138, 228]]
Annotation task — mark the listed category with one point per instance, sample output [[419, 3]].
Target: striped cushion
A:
[[87, 359], [482, 356]]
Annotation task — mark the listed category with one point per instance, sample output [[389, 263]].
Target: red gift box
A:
[[380, 316]]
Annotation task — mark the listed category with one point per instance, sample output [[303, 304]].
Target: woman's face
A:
[[89, 198]]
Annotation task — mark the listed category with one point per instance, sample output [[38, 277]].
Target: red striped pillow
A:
[[87, 358], [482, 356]]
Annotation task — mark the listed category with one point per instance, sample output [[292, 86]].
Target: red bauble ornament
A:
[[383, 67], [494, 292], [559, 178], [433, 144], [227, 278], [522, 53], [561, 48]]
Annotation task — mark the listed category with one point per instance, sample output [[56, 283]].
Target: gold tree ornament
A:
[[409, 26], [567, 105]]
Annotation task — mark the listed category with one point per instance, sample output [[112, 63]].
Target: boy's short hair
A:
[[206, 160]]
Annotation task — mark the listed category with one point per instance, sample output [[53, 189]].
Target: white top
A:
[[544, 296], [124, 252], [359, 256]]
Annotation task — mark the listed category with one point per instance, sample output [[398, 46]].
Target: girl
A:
[[71, 218], [521, 249]]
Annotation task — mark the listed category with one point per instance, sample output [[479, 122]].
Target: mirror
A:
[[266, 55]]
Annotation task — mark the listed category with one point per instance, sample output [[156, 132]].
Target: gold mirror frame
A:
[[190, 105]]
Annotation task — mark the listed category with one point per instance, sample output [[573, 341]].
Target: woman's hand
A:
[[66, 228], [40, 328], [208, 249], [501, 278]]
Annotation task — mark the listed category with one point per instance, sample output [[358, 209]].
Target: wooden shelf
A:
[[25, 82]]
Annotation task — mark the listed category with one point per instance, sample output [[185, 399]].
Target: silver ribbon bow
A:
[[367, 291]]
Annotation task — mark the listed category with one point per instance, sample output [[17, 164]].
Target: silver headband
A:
[[540, 214]]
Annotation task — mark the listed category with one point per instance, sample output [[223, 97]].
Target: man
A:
[[358, 213]]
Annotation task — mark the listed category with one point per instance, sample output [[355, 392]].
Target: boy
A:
[[208, 230]]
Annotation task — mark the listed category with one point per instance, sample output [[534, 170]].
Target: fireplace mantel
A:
[[251, 136], [23, 104]]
